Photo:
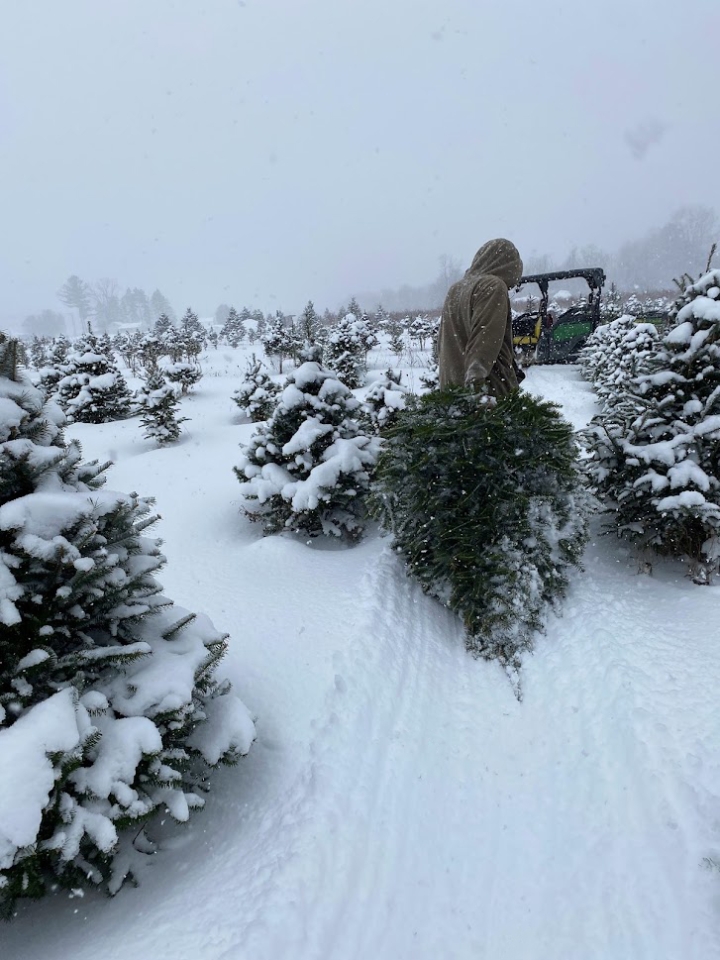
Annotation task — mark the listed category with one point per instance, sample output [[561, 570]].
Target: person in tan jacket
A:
[[475, 345]]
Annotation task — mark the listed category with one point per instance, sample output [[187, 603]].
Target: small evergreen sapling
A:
[[159, 409], [309, 468], [93, 390], [485, 502], [190, 325], [345, 351], [598, 358], [628, 361], [163, 325], [278, 340], [110, 713], [257, 395], [184, 374], [385, 399], [56, 368], [233, 329]]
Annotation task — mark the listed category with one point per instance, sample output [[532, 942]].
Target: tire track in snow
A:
[[637, 878], [327, 821], [383, 848]]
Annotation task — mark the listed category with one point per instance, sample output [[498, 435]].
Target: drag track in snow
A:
[[400, 804]]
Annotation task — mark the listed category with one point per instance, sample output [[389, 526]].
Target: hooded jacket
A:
[[475, 344]]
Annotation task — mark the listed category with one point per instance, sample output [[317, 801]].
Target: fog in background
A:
[[264, 153]]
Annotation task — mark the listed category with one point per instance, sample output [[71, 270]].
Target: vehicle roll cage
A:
[[593, 276]]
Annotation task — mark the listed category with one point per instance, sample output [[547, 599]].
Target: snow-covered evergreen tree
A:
[[345, 351], [257, 395], [152, 348], [163, 325], [430, 378], [39, 351], [277, 340], [655, 456], [599, 355], [159, 409], [485, 503], [627, 360], [110, 712], [308, 331], [93, 390], [233, 330], [190, 324], [183, 373], [308, 469], [385, 399], [423, 329], [393, 328], [56, 368], [611, 305]]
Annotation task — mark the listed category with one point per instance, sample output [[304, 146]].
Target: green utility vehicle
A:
[[559, 339]]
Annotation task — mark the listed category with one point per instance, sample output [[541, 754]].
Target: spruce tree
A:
[[277, 340], [184, 374], [191, 325], [345, 351], [655, 455], [309, 323], [110, 713], [257, 394], [163, 325], [233, 330], [38, 352], [160, 306], [56, 368], [385, 399], [159, 409], [309, 467], [485, 503], [93, 390]]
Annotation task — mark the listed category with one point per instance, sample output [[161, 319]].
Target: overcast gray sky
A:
[[264, 153]]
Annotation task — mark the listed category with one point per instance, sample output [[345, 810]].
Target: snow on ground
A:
[[399, 803]]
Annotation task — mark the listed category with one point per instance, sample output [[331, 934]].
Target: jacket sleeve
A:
[[488, 319]]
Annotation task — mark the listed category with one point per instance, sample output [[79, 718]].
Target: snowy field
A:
[[399, 803]]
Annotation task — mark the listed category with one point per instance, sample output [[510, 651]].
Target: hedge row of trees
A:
[[654, 451]]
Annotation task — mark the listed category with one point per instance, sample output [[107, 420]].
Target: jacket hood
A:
[[499, 258]]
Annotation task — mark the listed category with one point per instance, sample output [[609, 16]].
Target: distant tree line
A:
[[648, 264], [651, 262], [103, 304]]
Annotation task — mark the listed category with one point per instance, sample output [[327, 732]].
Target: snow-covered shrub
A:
[[485, 502], [308, 468], [257, 394], [159, 409], [93, 390], [185, 374], [109, 709], [655, 457], [384, 400]]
